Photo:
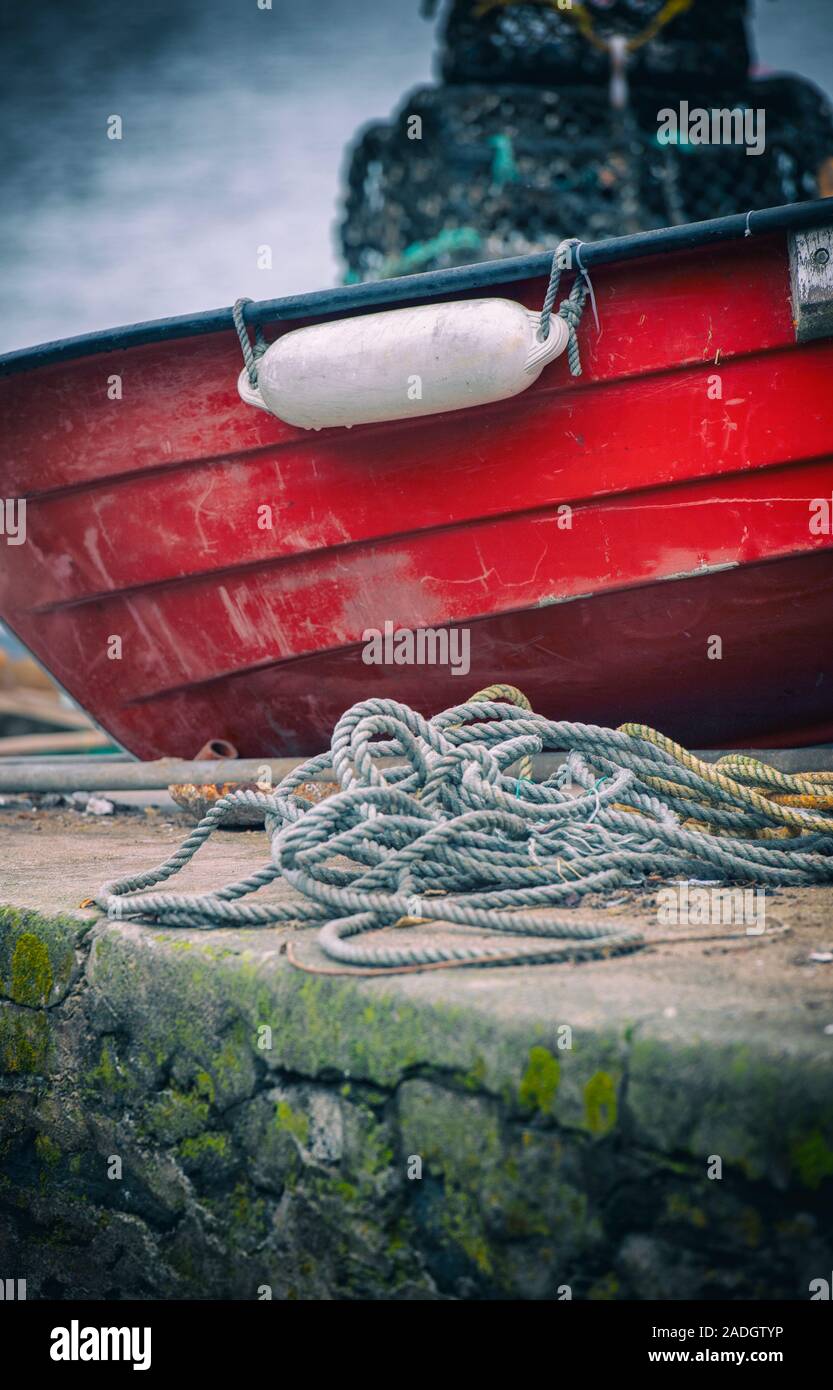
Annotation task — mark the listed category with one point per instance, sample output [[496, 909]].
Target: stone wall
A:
[[158, 1141]]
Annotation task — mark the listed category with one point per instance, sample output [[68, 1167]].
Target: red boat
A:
[[689, 585]]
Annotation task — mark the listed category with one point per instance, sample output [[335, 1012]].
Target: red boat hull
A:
[[692, 456]]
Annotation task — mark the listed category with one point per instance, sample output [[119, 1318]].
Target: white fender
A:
[[403, 362]]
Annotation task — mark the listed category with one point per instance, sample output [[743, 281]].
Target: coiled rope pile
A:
[[449, 834]]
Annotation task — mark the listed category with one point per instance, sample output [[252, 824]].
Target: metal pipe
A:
[[68, 759], [93, 776], [137, 776]]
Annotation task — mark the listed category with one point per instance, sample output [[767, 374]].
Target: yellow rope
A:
[[512, 696], [810, 803], [579, 13], [744, 768], [778, 795], [750, 770], [484, 7], [669, 11]]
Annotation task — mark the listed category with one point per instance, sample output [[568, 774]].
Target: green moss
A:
[[174, 1116], [31, 982], [292, 1122], [319, 1025], [540, 1081], [209, 1156], [475, 1078], [242, 1215], [368, 1150], [463, 1223], [211, 1144], [321, 1189], [37, 956], [222, 1075], [458, 1137], [205, 1086], [812, 1159], [600, 1103], [24, 1040], [182, 1002], [249, 1221], [233, 1063], [108, 1075], [47, 1150]]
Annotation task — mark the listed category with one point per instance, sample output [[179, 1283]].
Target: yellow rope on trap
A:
[[580, 15]]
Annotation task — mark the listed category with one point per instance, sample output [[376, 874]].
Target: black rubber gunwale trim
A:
[[431, 284]]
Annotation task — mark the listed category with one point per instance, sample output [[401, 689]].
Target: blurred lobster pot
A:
[[684, 42], [501, 171]]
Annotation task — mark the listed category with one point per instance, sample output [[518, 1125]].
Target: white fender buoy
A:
[[402, 363]]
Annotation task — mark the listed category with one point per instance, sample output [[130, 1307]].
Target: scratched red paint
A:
[[690, 518]]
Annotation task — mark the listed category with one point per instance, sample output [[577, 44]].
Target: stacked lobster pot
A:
[[548, 123]]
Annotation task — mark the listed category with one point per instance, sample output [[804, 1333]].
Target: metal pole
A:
[[152, 776], [95, 775]]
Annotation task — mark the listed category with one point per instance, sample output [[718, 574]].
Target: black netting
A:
[[501, 170], [492, 41]]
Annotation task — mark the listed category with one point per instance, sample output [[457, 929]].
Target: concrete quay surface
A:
[[186, 1114]]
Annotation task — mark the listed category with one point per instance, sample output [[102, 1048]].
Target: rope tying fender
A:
[[571, 308], [250, 354], [450, 834]]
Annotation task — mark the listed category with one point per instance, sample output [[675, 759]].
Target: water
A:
[[235, 124]]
